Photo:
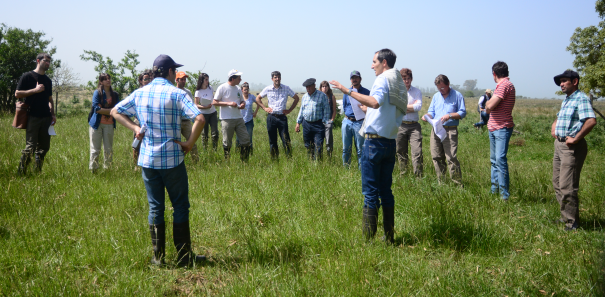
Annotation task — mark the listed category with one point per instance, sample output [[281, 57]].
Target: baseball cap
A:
[[164, 62], [233, 72], [181, 74], [568, 73], [355, 73]]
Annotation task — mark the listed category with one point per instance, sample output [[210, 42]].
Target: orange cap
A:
[[181, 74]]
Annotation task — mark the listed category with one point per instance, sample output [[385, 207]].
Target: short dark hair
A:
[[406, 71], [275, 73], [161, 71], [387, 54], [145, 72], [442, 79], [500, 69], [233, 77], [42, 56]]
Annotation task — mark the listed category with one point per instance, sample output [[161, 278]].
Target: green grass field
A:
[[294, 227]]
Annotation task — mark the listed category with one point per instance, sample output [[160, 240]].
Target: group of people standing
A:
[[380, 122]]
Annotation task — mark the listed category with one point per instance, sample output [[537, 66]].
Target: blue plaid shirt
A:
[[314, 107], [161, 106], [277, 97], [575, 109]]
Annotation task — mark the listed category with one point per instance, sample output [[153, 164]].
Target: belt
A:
[[277, 115], [450, 127], [372, 136], [352, 119], [409, 122], [561, 138]]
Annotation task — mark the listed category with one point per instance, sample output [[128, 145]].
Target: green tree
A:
[[588, 47], [18, 51], [469, 93], [192, 81], [124, 76], [470, 84]]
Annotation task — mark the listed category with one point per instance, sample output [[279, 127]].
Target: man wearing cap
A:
[[387, 104], [277, 122], [410, 130], [448, 106], [181, 81], [574, 121], [314, 114], [229, 98], [500, 126], [160, 107], [483, 115], [351, 124]]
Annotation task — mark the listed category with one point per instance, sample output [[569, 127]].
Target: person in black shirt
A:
[[37, 90]]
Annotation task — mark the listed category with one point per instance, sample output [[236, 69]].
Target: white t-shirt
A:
[[227, 93], [205, 96]]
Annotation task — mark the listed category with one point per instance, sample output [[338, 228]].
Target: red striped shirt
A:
[[502, 116]]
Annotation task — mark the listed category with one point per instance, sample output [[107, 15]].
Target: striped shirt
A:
[[502, 116], [277, 97], [575, 109], [314, 107], [161, 106]]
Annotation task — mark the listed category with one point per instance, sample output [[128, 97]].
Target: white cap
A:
[[233, 72]]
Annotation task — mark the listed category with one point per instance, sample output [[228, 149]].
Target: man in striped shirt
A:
[[574, 121], [314, 114], [500, 126]]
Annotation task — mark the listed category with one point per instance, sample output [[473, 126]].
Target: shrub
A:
[[75, 100], [87, 103]]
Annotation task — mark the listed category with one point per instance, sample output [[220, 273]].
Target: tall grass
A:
[[293, 227]]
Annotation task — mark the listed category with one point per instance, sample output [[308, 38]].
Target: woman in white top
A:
[[203, 101]]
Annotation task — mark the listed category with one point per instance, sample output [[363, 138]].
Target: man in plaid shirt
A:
[[314, 114], [574, 121], [162, 107]]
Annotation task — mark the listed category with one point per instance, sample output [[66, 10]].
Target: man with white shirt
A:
[[181, 81], [229, 98], [387, 104], [410, 130]]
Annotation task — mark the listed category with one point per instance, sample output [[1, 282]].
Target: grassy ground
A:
[[294, 227]]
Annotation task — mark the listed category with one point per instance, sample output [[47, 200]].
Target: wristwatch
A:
[[450, 115]]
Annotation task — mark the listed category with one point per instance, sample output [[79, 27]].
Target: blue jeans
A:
[[175, 181], [498, 146], [484, 119], [313, 135], [250, 128], [350, 132], [377, 163]]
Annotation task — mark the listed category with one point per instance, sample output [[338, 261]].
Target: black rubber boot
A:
[[39, 162], [182, 243], [25, 159], [226, 150], [388, 223], [244, 153], [370, 219], [158, 241]]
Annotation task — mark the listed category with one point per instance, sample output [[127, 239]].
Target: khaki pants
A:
[[235, 126], [103, 134], [411, 133], [186, 127], [446, 150], [567, 165]]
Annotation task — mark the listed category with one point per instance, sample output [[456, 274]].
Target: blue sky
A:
[[321, 39]]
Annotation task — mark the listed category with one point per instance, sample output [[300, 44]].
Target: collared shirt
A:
[[386, 119], [314, 107], [575, 109], [277, 97], [247, 112], [414, 98], [161, 107], [190, 97], [502, 115], [346, 104], [441, 106]]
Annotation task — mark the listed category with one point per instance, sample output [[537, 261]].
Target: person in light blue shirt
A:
[[378, 158], [447, 105], [314, 114]]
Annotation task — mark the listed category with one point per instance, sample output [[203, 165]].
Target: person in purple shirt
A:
[[351, 124]]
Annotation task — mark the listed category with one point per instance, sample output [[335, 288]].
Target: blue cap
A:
[[164, 62], [355, 73]]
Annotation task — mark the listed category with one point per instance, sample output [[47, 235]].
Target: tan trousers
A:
[[411, 133], [567, 165], [446, 150], [103, 134], [235, 126], [186, 126]]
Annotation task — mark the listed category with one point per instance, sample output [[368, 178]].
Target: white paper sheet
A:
[[51, 130], [437, 127], [359, 114]]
